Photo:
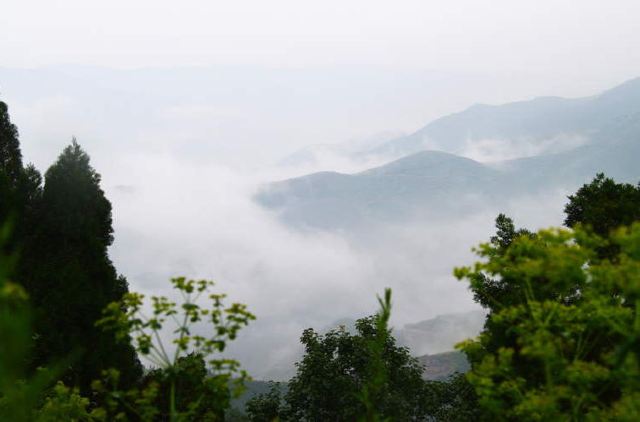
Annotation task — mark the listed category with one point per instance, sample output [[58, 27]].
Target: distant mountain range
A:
[[545, 124], [356, 150], [559, 143]]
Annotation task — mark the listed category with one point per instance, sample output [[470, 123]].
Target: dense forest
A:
[[561, 340]]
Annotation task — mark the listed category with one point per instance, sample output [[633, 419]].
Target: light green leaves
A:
[[563, 342], [198, 328], [128, 319]]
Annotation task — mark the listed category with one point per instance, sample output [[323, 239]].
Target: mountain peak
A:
[[425, 161]]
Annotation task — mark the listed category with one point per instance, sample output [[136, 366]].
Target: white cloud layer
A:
[[199, 220]]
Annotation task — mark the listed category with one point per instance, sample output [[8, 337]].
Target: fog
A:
[[497, 150], [181, 169], [200, 221], [187, 108], [558, 38]]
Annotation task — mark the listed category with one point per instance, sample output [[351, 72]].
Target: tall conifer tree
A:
[[10, 155], [70, 276], [19, 186], [10, 164]]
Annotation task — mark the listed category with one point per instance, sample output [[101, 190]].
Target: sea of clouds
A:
[[181, 172]]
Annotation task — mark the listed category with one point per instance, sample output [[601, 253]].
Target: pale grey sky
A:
[[558, 36], [323, 71]]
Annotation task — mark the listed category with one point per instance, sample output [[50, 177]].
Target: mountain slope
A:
[[407, 188], [541, 125], [441, 366], [442, 333], [432, 184]]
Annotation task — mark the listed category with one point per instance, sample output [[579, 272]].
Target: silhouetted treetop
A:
[[75, 202], [603, 205], [10, 155]]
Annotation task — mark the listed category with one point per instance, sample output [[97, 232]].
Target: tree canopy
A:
[[10, 154], [564, 344], [68, 273], [336, 366], [603, 205], [19, 186]]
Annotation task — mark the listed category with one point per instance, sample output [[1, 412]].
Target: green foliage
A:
[[565, 347], [199, 395], [506, 233], [67, 272], [454, 400], [16, 395], [492, 293], [10, 154], [338, 367], [137, 403], [63, 231], [603, 205], [365, 377], [266, 407], [561, 342], [20, 391], [345, 377], [374, 384], [19, 187], [185, 389], [64, 404], [10, 164], [234, 414]]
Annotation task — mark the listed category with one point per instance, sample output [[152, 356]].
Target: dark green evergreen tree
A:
[[266, 407], [70, 278], [10, 154], [494, 293], [335, 368], [603, 205], [454, 399], [19, 187]]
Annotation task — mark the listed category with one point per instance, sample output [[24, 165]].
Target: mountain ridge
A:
[[451, 132], [439, 183]]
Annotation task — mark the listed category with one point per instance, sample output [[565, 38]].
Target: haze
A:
[[186, 108]]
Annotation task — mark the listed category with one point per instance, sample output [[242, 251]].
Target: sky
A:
[[187, 107], [540, 36], [347, 69]]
